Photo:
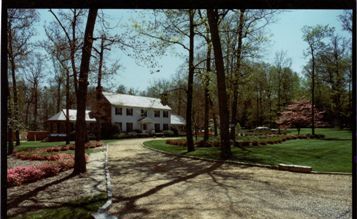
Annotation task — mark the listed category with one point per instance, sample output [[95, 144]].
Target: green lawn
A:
[[79, 209], [29, 145], [333, 155], [25, 145], [329, 133]]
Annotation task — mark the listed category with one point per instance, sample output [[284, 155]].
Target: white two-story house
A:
[[132, 113]]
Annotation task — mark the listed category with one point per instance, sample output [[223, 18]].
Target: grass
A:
[[328, 132], [333, 155], [78, 209], [31, 145], [39, 144]]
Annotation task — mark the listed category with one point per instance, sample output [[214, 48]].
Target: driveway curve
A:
[[148, 184]]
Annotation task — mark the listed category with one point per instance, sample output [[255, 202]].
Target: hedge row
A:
[[277, 141]]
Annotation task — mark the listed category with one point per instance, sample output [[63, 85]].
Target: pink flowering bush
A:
[[26, 174], [23, 174]]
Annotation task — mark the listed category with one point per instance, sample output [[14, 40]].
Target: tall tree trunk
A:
[[215, 125], [58, 96], [338, 90], [207, 97], [179, 102], [14, 86], [9, 133], [350, 101], [67, 108], [236, 77], [81, 128], [35, 112], [221, 84], [73, 51], [258, 110], [99, 86], [313, 94], [4, 121], [189, 136], [28, 113]]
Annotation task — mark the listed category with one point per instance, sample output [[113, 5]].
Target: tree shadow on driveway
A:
[[157, 171], [130, 205]]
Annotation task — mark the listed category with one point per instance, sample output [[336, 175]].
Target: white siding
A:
[[137, 115]]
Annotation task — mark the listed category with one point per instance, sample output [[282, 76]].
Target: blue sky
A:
[[285, 34]]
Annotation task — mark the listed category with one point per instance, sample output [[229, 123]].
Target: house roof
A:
[[134, 101], [61, 116], [177, 120]]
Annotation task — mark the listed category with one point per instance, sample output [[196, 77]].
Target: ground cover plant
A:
[[333, 154]]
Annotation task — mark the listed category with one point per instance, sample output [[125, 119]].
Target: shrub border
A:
[[247, 143]]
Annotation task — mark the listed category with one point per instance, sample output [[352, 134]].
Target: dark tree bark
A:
[[215, 125], [236, 77], [67, 108], [14, 86], [207, 80], [221, 84], [9, 133], [81, 127], [207, 96], [27, 114], [179, 102], [189, 135], [312, 92], [58, 96], [35, 111], [99, 85]]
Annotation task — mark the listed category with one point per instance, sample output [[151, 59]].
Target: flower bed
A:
[[176, 142], [26, 174], [42, 153], [249, 140]]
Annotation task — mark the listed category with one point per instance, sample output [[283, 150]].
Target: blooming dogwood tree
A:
[[298, 115]]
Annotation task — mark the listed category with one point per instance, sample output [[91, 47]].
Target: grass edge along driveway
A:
[[321, 155]]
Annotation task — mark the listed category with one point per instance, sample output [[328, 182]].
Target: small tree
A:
[[298, 115]]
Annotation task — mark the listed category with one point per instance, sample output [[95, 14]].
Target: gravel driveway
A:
[[148, 184]]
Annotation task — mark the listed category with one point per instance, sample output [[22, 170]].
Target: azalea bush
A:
[[26, 174]]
